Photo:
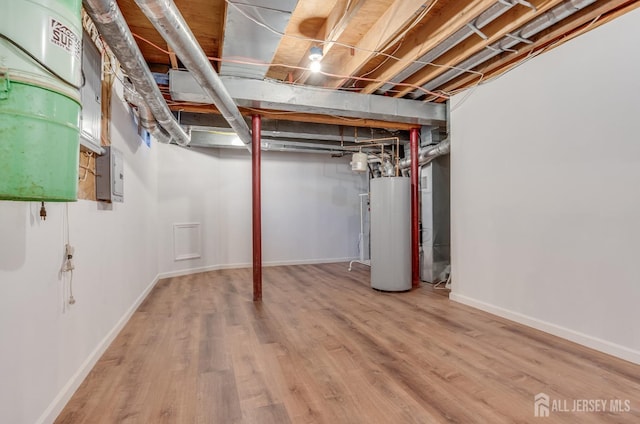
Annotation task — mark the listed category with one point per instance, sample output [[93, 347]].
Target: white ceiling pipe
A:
[[166, 18], [107, 17]]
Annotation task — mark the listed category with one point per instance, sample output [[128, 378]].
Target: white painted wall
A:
[[545, 204], [47, 346], [187, 187], [309, 204]]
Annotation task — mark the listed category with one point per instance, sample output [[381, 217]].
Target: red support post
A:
[[415, 212], [256, 122]]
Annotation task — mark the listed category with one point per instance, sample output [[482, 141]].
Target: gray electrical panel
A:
[[391, 234], [110, 176]]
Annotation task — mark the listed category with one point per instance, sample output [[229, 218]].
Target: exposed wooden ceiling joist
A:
[[510, 21], [353, 33], [589, 18], [440, 27], [380, 35]]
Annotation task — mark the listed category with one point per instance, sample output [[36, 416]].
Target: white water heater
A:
[[391, 233]]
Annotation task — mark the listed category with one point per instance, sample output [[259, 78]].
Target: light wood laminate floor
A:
[[323, 347]]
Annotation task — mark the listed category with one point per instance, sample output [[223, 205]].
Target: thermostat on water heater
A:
[[109, 176]]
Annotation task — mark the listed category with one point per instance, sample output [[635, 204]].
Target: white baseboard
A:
[[189, 271], [59, 402], [308, 261], [566, 333]]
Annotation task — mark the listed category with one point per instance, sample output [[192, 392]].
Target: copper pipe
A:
[[256, 122], [415, 235]]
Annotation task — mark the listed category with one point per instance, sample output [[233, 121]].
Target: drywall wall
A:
[[545, 206], [310, 209], [188, 185], [48, 346]]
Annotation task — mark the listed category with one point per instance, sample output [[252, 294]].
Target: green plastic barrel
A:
[[39, 107]]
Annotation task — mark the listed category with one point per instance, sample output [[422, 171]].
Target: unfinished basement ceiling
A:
[[411, 49]]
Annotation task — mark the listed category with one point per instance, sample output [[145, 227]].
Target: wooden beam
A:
[[221, 32], [304, 24], [301, 117], [335, 25], [439, 28], [172, 57], [510, 21], [338, 21], [333, 120], [549, 39], [397, 17]]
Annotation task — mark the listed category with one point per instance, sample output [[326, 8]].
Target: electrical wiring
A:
[[151, 43], [349, 46], [282, 65], [302, 75], [386, 59], [341, 20], [416, 87], [411, 26], [111, 61], [398, 39], [67, 265], [87, 167]]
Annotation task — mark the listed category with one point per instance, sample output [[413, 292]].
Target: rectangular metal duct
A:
[[244, 40], [287, 97]]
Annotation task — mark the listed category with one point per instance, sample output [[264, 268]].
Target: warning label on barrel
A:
[[63, 36]]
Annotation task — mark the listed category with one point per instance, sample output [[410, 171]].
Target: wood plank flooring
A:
[[323, 347]]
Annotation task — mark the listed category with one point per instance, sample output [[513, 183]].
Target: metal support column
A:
[[415, 213], [256, 206]]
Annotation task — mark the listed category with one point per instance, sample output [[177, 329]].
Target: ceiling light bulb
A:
[[315, 54], [315, 66]]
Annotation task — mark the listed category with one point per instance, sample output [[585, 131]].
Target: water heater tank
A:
[[391, 233], [40, 61]]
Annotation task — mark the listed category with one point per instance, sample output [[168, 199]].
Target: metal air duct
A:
[[107, 17], [485, 18], [147, 120], [532, 28], [427, 154], [244, 39], [166, 18]]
